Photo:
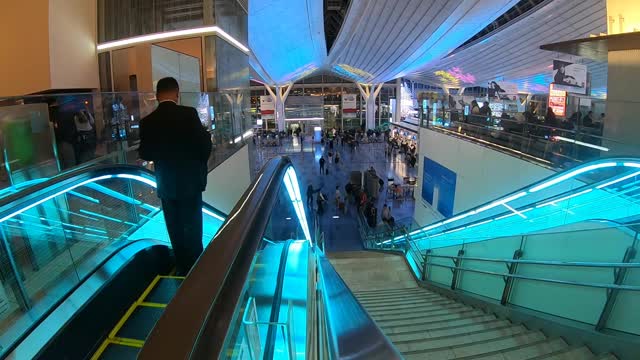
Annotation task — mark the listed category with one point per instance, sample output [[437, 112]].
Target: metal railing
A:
[[426, 259]]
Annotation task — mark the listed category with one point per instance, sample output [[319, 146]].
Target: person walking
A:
[[173, 137], [321, 161], [310, 192], [337, 160]]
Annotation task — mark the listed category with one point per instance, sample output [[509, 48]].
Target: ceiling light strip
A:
[[168, 35]]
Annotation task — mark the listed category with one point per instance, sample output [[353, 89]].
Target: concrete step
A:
[[396, 305], [492, 323], [406, 305], [472, 317], [398, 296], [437, 322], [456, 340], [527, 351], [436, 310], [401, 300], [573, 353], [390, 291], [479, 348], [415, 310], [425, 317]]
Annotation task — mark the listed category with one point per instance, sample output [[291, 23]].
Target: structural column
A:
[[397, 110], [279, 98], [369, 94]]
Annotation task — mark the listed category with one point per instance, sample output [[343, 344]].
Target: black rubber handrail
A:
[[196, 322]]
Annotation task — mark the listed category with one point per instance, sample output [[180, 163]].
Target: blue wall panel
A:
[[436, 177]]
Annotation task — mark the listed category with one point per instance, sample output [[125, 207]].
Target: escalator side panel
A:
[[93, 323]]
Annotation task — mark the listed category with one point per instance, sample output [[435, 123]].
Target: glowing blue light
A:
[[571, 174], [30, 206], [554, 202], [291, 184]]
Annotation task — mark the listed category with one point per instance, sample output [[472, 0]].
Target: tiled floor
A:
[[340, 230]]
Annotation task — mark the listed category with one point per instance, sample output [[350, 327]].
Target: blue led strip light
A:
[[423, 233]]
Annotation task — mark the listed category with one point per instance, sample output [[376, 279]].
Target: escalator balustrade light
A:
[[618, 180], [45, 199], [554, 202], [570, 175]]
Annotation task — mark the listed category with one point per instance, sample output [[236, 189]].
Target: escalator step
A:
[[119, 352], [140, 323], [164, 290]]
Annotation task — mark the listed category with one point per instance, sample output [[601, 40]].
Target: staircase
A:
[[425, 325]]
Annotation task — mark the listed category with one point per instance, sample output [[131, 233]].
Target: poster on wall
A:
[[267, 107], [349, 106], [503, 90], [438, 186], [570, 77]]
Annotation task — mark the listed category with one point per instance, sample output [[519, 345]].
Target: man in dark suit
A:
[[179, 146]]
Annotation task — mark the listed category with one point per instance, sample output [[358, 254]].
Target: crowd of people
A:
[[399, 145]]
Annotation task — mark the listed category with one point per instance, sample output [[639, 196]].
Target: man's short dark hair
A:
[[167, 84]]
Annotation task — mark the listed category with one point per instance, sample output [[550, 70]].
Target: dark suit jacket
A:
[[175, 140]]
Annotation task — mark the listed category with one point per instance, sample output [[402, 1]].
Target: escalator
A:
[[264, 288], [77, 251]]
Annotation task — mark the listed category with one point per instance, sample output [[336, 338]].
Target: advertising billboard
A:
[[570, 77], [349, 106], [558, 101], [267, 107]]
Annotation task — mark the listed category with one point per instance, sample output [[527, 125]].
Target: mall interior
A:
[[407, 179]]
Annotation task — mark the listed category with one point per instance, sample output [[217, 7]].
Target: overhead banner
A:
[[349, 106], [570, 77], [267, 107], [503, 90]]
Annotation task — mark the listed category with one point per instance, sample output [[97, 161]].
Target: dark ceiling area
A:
[[334, 14], [514, 13]]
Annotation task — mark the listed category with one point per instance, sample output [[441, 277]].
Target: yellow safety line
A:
[[112, 338], [123, 320], [153, 304], [127, 342], [130, 311], [148, 289], [100, 350]]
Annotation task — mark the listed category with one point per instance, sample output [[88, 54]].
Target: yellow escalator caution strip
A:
[[112, 338], [127, 342], [100, 350], [152, 304], [148, 289], [116, 341]]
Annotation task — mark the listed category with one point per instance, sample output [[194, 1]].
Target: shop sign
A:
[[558, 101], [349, 105], [267, 107]]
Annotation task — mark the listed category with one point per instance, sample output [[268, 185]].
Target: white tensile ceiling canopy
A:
[[381, 40]]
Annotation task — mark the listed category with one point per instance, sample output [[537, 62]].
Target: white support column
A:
[[369, 94], [279, 97], [396, 114]]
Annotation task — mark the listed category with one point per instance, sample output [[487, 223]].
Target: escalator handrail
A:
[[117, 250], [352, 333], [618, 160], [196, 322], [55, 185]]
